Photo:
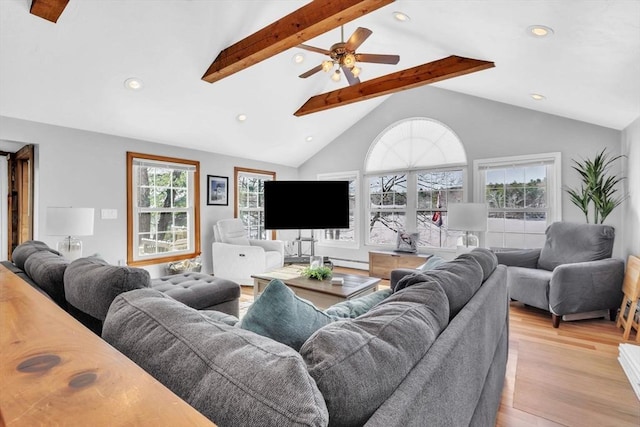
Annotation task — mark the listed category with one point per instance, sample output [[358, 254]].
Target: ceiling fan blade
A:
[[311, 72], [357, 38], [378, 59], [353, 80], [314, 49]]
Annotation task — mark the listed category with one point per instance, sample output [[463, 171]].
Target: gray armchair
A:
[[573, 273]]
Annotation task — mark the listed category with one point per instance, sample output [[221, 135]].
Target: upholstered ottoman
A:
[[201, 291]]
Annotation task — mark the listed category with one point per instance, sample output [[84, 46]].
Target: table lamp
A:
[[467, 217], [70, 222]]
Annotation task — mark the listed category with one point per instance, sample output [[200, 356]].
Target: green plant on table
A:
[[318, 273]]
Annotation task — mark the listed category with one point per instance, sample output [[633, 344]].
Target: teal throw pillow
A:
[[351, 309], [282, 316], [432, 263]]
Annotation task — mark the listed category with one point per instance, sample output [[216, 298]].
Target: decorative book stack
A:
[[629, 358]]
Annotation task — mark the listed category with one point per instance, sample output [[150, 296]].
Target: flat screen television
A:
[[306, 205]]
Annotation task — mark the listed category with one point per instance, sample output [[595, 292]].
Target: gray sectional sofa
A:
[[430, 352], [87, 286]]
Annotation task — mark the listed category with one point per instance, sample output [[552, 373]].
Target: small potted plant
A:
[[317, 272]]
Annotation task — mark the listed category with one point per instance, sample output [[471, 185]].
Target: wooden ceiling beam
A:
[[309, 21], [48, 9], [431, 72]]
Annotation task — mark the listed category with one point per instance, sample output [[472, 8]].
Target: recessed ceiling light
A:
[[538, 97], [241, 117], [309, 138], [402, 17], [133, 83], [539, 31], [298, 58]]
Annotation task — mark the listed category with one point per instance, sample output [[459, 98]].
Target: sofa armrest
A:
[[527, 258], [398, 274], [586, 286], [269, 245]]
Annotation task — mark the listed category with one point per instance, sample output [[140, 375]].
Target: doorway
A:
[[19, 168]]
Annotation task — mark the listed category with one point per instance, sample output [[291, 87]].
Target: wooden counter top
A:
[[54, 371]]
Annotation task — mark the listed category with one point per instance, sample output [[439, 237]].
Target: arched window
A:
[[414, 169]]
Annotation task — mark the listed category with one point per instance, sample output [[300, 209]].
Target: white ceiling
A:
[[71, 73]]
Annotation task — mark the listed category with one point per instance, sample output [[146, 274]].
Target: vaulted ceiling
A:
[[72, 73]]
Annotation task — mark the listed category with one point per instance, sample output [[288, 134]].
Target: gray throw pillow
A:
[[232, 376], [280, 315], [357, 364]]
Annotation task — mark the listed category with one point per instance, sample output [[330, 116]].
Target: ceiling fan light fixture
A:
[[356, 71], [336, 76], [539, 31], [349, 60], [327, 66]]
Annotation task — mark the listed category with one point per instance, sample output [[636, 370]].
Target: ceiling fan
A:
[[344, 57]]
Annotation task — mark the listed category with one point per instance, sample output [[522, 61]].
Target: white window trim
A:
[[554, 182], [355, 175]]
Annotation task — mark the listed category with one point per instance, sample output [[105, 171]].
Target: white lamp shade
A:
[[467, 216], [70, 221]]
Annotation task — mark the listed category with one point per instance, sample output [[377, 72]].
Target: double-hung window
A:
[[341, 237], [163, 201], [249, 196], [523, 194]]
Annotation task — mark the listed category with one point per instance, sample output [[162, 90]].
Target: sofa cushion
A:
[[47, 270], [24, 250], [487, 260], [568, 243], [232, 376], [91, 284], [460, 279], [357, 364], [353, 308], [280, 315], [530, 285]]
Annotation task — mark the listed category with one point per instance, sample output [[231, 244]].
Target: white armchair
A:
[[236, 257]]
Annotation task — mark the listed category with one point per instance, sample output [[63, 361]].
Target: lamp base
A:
[[70, 248]]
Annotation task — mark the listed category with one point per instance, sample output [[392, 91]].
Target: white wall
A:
[[631, 208], [487, 129], [86, 169]]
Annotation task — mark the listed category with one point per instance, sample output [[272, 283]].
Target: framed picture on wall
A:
[[217, 190]]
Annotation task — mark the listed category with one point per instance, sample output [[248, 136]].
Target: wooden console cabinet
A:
[[54, 371], [382, 262]]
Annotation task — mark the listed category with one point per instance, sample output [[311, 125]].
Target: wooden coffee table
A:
[[320, 292]]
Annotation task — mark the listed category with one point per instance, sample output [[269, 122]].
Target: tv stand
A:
[[301, 239]]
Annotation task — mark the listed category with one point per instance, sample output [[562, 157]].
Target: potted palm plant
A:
[[597, 188]]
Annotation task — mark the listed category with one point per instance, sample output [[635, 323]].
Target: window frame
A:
[[554, 181], [132, 212], [237, 171], [344, 176], [411, 209]]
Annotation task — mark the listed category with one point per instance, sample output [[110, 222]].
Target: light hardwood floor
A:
[[569, 376]]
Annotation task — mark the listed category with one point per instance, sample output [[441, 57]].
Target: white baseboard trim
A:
[[358, 265]]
